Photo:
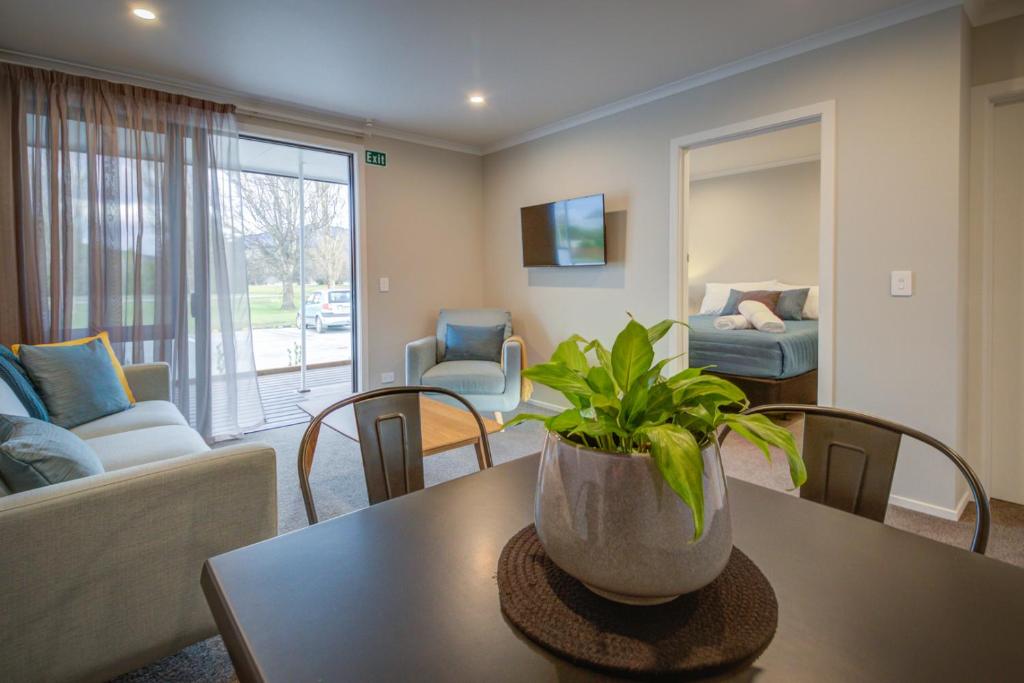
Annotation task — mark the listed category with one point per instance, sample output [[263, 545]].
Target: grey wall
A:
[[899, 95], [760, 225]]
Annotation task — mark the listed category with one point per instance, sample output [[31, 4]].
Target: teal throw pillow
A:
[[12, 372], [78, 383], [34, 453], [470, 342], [791, 303]]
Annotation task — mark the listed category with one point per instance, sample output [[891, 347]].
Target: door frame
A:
[[272, 132], [679, 198], [984, 99]]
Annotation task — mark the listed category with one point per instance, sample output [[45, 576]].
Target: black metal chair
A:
[[851, 459], [390, 441]]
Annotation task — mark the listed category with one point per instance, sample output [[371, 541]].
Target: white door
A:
[[1007, 481]]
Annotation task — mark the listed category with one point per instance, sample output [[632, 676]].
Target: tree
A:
[[330, 254], [271, 208]]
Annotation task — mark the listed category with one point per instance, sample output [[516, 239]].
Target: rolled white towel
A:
[[761, 317], [731, 322]]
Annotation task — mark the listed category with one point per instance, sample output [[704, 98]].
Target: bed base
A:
[[802, 389]]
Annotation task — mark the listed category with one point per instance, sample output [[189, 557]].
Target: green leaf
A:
[[632, 355], [566, 421], [604, 359], [657, 331], [524, 417], [601, 382], [568, 354], [560, 378], [634, 406], [762, 432], [678, 457]]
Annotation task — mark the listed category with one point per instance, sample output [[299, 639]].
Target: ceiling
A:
[[410, 64]]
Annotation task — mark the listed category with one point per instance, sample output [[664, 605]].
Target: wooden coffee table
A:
[[442, 427]]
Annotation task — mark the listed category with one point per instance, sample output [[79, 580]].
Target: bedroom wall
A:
[[422, 217], [759, 225], [899, 194]]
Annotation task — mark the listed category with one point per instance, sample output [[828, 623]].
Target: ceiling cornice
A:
[[271, 109], [813, 42]]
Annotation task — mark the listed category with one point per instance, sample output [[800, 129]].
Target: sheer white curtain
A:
[[128, 220]]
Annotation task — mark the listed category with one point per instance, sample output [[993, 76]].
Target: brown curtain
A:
[[119, 211]]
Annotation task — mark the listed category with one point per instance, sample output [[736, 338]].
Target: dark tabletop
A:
[[405, 590]]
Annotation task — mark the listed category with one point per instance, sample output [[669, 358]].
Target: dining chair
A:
[[390, 441], [851, 459]]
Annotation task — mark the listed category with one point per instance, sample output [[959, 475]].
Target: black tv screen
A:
[[565, 233]]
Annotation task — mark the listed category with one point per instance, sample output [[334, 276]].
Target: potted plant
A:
[[631, 496]]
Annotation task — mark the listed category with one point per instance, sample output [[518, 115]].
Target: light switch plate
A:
[[901, 283], [387, 377], [385, 284]]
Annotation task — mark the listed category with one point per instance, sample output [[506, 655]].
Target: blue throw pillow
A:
[[34, 453], [12, 372], [78, 383], [791, 304], [469, 342]]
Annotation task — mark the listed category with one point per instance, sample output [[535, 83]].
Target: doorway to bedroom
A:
[[753, 254]]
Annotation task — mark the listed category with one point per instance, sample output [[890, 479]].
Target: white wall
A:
[[760, 225], [422, 216], [898, 96]]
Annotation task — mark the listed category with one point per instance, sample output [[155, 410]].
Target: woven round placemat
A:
[[723, 626]]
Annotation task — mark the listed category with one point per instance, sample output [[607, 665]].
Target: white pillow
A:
[[716, 294], [10, 404], [811, 305]]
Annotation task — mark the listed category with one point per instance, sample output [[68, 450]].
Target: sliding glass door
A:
[[298, 205]]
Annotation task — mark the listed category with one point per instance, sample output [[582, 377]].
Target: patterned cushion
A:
[[77, 382], [34, 453], [14, 375]]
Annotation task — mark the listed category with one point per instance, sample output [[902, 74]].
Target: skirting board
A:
[[899, 501]]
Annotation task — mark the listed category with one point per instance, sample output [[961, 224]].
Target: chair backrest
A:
[[474, 317], [390, 441], [851, 459]]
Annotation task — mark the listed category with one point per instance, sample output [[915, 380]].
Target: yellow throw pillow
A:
[[16, 348]]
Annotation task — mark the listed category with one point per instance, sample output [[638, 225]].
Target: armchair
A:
[[489, 386]]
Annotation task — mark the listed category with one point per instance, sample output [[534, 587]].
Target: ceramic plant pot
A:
[[611, 521]]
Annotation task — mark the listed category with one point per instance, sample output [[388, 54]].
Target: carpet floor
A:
[[338, 487]]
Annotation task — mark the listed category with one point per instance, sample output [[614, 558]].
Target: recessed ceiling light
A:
[[477, 99], [143, 13]]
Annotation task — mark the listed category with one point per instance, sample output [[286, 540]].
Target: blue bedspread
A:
[[753, 353]]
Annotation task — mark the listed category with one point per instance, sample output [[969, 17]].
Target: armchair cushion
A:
[[467, 377], [468, 342], [473, 317]]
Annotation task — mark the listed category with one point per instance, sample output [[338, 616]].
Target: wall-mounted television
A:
[[565, 233]]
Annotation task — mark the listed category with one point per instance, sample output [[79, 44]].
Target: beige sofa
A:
[[100, 575]]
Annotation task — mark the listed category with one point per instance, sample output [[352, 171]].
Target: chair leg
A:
[[498, 417]]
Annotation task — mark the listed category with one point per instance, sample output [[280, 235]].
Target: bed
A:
[[770, 368]]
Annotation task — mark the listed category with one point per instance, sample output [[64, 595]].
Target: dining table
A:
[[406, 590]]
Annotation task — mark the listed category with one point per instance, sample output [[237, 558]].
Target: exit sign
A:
[[374, 158]]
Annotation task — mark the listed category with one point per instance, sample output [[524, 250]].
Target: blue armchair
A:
[[488, 386]]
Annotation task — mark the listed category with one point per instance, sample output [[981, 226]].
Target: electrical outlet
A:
[[901, 283], [385, 284], [387, 377]]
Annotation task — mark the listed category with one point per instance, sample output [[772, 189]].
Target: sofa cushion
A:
[[467, 376], [104, 338], [14, 377], [34, 454], [140, 416], [78, 382], [140, 446]]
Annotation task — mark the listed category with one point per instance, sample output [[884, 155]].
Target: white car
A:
[[327, 309]]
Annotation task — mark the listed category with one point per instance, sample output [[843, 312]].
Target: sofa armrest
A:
[[101, 574], [512, 364], [149, 381], [420, 356]]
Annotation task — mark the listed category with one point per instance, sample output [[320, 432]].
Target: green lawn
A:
[[265, 306]]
